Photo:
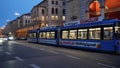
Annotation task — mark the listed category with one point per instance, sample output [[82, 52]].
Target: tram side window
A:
[[65, 34], [41, 35], [117, 31], [44, 35], [73, 34], [30, 35], [82, 33], [52, 35], [48, 35], [95, 33], [108, 33], [34, 35]]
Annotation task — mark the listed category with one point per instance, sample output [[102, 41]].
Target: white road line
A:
[[42, 49], [73, 57], [54, 52], [34, 66], [18, 58], [7, 53], [106, 65]]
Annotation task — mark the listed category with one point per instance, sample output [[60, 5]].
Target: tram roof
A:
[[91, 24]]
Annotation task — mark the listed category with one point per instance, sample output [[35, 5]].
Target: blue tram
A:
[[49, 35], [101, 35], [32, 36]]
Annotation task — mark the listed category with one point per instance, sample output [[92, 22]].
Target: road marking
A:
[[104, 61], [18, 58], [73, 57], [106, 65], [7, 53], [34, 66], [54, 52], [42, 49]]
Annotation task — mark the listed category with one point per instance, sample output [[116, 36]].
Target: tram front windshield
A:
[[117, 30]]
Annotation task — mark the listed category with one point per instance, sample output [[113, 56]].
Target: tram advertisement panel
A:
[[82, 44]]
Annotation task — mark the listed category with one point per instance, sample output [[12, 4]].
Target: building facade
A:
[[48, 13], [85, 9]]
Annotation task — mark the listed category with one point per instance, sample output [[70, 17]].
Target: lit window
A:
[[82, 34], [46, 18], [41, 35], [52, 17], [63, 18], [48, 35], [44, 35], [95, 33], [43, 18], [64, 34], [46, 24], [73, 34], [108, 33], [52, 35], [34, 35], [56, 17]]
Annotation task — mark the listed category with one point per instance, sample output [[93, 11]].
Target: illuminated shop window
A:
[[82, 33], [64, 34], [108, 33], [95, 33], [73, 34]]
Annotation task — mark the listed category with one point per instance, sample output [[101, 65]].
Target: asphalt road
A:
[[21, 54]]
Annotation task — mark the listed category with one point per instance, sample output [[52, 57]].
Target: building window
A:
[[56, 2], [63, 11], [25, 21], [56, 17], [56, 10], [63, 3], [43, 12], [43, 18], [52, 11], [63, 18], [46, 18], [52, 17], [28, 21], [52, 2]]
